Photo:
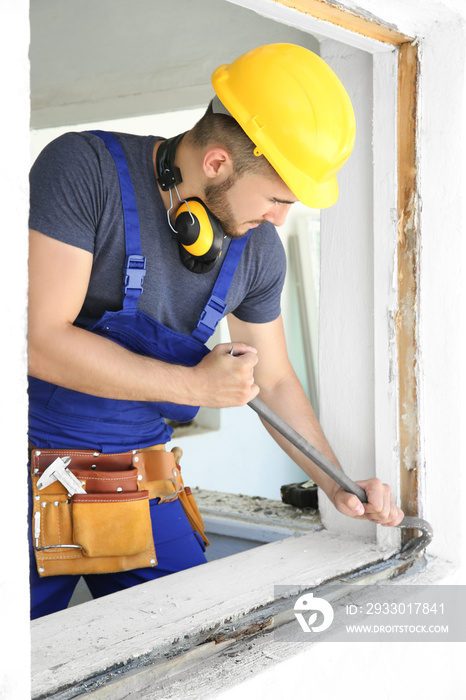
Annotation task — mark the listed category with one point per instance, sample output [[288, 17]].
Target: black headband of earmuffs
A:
[[168, 174], [195, 227]]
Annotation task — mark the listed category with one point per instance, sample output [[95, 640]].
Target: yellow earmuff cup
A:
[[206, 235]]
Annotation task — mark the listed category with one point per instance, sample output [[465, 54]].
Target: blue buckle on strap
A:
[[212, 313], [135, 270]]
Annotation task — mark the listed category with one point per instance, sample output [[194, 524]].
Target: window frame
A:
[[49, 634]]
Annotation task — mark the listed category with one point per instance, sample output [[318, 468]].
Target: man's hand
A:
[[380, 508], [222, 380]]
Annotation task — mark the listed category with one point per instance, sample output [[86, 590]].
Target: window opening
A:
[[348, 25], [295, 253]]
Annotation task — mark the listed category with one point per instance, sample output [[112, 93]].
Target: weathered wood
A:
[[240, 647], [87, 640], [406, 317], [344, 17]]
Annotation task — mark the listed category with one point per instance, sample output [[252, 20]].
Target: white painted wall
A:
[[113, 58], [349, 671], [14, 567], [163, 124], [442, 285], [346, 351]]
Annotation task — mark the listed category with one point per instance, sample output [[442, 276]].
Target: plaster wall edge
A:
[[442, 212]]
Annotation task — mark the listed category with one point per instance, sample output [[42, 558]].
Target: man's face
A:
[[247, 202]]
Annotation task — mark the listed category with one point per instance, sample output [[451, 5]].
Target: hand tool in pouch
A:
[[58, 471]]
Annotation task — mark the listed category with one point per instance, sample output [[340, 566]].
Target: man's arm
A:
[[77, 359], [281, 390]]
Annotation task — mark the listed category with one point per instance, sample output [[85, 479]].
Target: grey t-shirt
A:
[[75, 198]]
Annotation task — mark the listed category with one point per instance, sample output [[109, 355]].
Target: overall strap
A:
[[215, 308], [135, 268], [135, 265]]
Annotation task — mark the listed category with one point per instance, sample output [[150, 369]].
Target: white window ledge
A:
[[155, 621], [253, 518]]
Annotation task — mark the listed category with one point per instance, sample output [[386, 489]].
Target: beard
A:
[[216, 198]]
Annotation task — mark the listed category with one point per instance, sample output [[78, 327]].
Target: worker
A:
[[138, 246]]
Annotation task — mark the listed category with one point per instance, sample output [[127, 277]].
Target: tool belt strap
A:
[[152, 470]]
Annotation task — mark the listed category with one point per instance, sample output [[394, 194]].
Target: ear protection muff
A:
[[199, 234], [198, 231]]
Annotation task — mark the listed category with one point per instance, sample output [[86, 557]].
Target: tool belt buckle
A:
[[178, 486]]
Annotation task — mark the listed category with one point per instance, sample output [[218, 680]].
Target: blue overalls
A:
[[60, 417]]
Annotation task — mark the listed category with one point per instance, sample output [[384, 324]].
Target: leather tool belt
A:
[[91, 510]]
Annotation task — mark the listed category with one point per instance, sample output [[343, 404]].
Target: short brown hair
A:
[[224, 130]]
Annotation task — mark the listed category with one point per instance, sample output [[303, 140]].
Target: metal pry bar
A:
[[412, 547], [58, 471]]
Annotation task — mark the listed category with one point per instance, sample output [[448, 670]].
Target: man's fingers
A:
[[223, 379], [376, 493], [236, 349], [245, 357], [380, 508], [355, 505]]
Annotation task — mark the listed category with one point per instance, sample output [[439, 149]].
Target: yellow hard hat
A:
[[297, 113]]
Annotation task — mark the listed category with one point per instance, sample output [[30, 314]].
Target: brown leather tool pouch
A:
[[105, 530], [161, 476], [111, 524]]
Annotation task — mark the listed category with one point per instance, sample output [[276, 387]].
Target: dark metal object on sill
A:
[[300, 495]]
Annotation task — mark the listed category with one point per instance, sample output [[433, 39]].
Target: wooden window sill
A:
[[161, 620]]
